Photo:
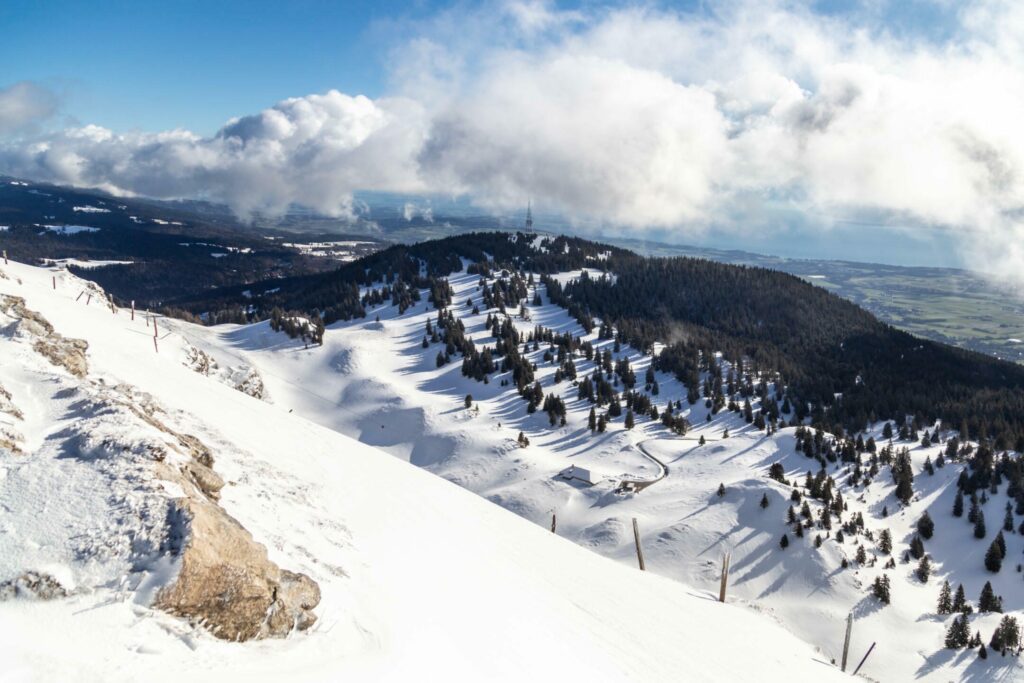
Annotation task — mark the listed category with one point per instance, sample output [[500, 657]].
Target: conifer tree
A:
[[784, 542], [764, 501], [994, 558], [925, 526], [945, 599], [885, 542], [979, 525], [958, 504], [881, 589], [958, 634], [960, 604], [988, 601], [924, 569], [592, 419], [630, 419], [721, 490]]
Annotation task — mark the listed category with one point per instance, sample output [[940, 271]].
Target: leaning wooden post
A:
[[5, 257], [154, 326], [846, 641], [79, 296], [864, 660], [88, 299], [725, 576], [552, 522], [133, 309], [639, 550]]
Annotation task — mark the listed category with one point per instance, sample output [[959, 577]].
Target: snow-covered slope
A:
[[419, 578], [373, 380]]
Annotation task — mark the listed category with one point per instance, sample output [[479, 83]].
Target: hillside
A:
[[395, 379], [416, 577]]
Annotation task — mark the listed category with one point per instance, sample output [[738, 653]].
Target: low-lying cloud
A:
[[24, 105], [634, 117]]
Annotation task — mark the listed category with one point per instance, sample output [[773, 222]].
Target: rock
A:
[[227, 583], [208, 481], [32, 585], [59, 350]]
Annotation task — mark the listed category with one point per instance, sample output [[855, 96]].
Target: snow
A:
[[78, 263], [91, 209], [421, 579], [69, 229], [374, 382]]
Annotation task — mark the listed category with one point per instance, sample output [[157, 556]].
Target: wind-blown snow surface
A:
[[373, 380], [420, 578]]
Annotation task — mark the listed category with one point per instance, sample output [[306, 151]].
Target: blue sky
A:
[[159, 65]]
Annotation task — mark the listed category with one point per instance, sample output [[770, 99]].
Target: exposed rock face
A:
[[10, 438], [243, 378], [32, 585], [59, 350], [227, 583]]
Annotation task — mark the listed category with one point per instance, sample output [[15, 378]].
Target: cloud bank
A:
[[636, 116], [24, 105]]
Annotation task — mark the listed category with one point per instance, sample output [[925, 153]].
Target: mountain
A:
[[136, 484], [840, 364], [467, 359], [155, 252]]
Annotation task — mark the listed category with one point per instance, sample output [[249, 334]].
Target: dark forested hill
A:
[[842, 366]]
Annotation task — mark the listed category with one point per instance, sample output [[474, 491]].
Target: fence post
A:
[[639, 550], [864, 660], [846, 641], [552, 522], [5, 257], [726, 559], [133, 309], [55, 282], [155, 347]]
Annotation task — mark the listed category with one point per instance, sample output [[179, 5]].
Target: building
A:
[[580, 474]]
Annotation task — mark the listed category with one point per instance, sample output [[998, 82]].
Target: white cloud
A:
[[23, 105], [636, 117]]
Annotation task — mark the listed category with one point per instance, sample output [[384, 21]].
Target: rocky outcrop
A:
[[243, 378], [33, 585], [227, 583], [59, 350], [10, 438]]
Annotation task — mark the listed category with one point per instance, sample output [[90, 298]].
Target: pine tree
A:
[[885, 542], [925, 526], [630, 419], [1001, 542], [881, 589], [1007, 635], [469, 401], [862, 555], [924, 569], [764, 501], [721, 490], [994, 558], [1008, 519], [916, 547], [979, 525], [960, 604], [987, 601], [945, 599], [982, 652], [592, 420], [784, 542], [958, 504], [958, 634]]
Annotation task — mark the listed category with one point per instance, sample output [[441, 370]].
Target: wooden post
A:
[[79, 295], [725, 576], [864, 660], [155, 346], [133, 309], [552, 522], [5, 257], [88, 299], [154, 326], [639, 550], [55, 282], [846, 641]]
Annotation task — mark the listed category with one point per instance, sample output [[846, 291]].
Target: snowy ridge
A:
[[417, 576]]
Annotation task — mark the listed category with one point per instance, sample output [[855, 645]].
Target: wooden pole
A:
[[79, 295], [88, 299], [155, 346], [55, 282], [552, 522], [154, 326], [846, 641], [864, 660], [725, 576], [639, 550], [5, 257], [133, 309]]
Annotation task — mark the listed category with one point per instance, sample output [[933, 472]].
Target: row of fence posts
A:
[[723, 585]]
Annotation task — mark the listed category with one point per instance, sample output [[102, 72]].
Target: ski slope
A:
[[420, 578]]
